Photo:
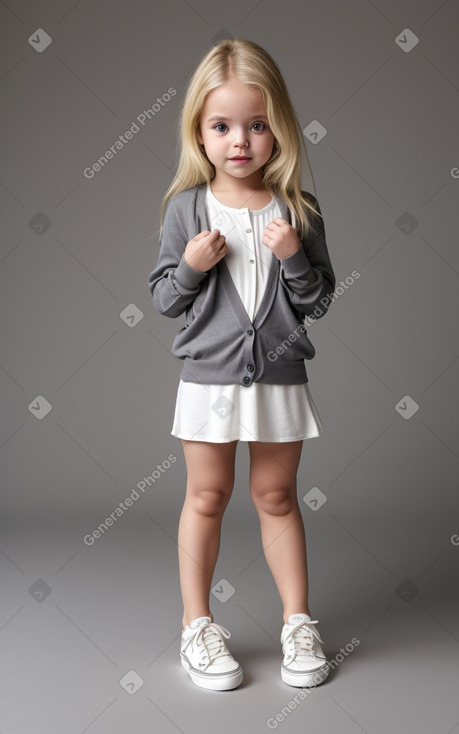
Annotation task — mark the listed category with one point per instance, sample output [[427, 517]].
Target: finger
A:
[[215, 244], [211, 236], [222, 252]]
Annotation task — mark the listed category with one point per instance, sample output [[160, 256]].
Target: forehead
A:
[[233, 97]]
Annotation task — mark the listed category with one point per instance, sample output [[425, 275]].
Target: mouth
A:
[[240, 158]]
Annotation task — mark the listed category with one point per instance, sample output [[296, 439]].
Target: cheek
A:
[[215, 144], [267, 144]]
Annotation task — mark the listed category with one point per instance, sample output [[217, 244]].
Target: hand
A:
[[205, 250], [281, 238]]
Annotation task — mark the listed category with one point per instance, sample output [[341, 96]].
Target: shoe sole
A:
[[213, 681], [305, 680]]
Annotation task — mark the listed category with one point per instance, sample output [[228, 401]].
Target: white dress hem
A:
[[284, 439]]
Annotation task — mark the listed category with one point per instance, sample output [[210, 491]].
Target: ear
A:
[[199, 137]]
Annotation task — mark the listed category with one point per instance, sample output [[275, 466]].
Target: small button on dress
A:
[[252, 411]]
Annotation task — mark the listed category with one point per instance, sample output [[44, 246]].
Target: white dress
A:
[[260, 412]]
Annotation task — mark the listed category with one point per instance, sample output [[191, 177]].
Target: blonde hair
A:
[[252, 65]]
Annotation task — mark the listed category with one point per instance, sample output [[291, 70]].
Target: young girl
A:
[[243, 254]]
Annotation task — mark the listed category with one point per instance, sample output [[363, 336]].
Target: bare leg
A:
[[273, 488], [210, 479]]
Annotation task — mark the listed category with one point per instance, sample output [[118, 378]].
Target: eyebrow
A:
[[228, 119]]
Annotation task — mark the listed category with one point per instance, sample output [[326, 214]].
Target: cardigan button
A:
[[246, 380], [249, 332], [250, 367]]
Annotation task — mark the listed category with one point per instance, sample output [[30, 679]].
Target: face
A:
[[234, 123]]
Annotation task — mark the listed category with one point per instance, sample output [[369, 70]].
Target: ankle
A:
[[186, 620], [303, 611]]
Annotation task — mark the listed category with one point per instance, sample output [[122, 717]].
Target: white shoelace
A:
[[300, 641], [210, 637]]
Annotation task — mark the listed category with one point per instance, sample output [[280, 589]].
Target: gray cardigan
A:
[[218, 343]]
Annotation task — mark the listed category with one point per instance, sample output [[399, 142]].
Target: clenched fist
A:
[[205, 250], [281, 238]]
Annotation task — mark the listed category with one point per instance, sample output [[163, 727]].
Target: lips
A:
[[241, 158]]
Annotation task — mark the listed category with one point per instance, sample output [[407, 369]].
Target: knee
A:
[[210, 501], [274, 500]]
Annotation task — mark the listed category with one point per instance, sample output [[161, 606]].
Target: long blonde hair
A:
[[252, 65]]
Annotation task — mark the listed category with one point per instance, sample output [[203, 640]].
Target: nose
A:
[[240, 139]]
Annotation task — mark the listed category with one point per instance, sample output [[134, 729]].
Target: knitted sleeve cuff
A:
[[296, 265], [188, 277]]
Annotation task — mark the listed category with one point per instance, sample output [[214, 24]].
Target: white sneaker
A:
[[205, 657], [304, 661]]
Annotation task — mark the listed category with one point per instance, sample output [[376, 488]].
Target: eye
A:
[[219, 124], [262, 126]]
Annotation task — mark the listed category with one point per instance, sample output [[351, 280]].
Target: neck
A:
[[226, 184]]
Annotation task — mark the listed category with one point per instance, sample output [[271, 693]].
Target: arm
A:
[[173, 283], [307, 276]]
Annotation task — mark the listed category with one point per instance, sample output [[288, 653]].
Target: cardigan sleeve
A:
[[307, 276], [174, 284]]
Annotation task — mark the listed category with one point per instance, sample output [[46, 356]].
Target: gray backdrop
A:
[[90, 621]]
